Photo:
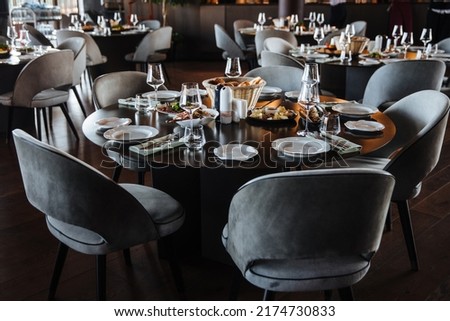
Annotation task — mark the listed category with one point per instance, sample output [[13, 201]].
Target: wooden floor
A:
[[27, 249]]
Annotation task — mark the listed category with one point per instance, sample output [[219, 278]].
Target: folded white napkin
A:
[[157, 145], [341, 145]]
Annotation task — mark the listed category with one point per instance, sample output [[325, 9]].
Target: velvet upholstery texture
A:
[[85, 210], [279, 45], [37, 38], [269, 58], [152, 47], [242, 42], [394, 81], [262, 35], [285, 77], [308, 230]]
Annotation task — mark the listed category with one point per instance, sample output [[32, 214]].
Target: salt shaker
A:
[[225, 105]]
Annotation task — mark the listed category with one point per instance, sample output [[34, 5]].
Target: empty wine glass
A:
[[320, 19], [74, 21], [134, 19], [426, 37], [312, 20], [117, 17], [84, 19], [407, 41], [397, 32], [233, 67], [319, 35], [190, 99], [24, 39], [309, 93], [155, 78], [261, 20], [11, 33], [293, 21]]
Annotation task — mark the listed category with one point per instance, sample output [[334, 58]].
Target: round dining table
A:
[[205, 184]]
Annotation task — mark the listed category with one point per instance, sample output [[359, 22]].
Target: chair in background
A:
[[262, 35], [360, 27], [153, 48], [113, 217], [151, 24], [78, 47], [94, 56], [394, 81], [269, 58], [421, 121], [239, 39], [35, 87], [37, 37], [288, 240], [278, 45], [230, 47], [285, 77], [444, 44]]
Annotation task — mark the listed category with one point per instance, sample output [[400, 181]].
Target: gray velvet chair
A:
[[308, 230], [78, 47], [151, 24], [279, 45], [94, 56], [37, 37], [242, 42], [285, 77], [360, 27], [35, 87], [231, 48], [269, 58], [394, 81], [89, 213], [262, 35], [420, 120]]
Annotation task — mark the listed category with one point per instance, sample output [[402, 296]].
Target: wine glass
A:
[[319, 35], [74, 21], [312, 20], [261, 20], [309, 92], [320, 19], [233, 67], [11, 33], [190, 99], [407, 40], [134, 19], [24, 39], [117, 17], [397, 32], [331, 124], [293, 21], [426, 37], [155, 78], [84, 19]]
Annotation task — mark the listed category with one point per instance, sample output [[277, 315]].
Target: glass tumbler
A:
[[194, 137]]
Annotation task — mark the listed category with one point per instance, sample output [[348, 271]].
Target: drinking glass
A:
[[407, 41], [331, 124], [293, 21], [309, 92], [155, 78], [190, 99], [397, 32], [233, 67], [84, 19], [24, 39], [426, 37], [319, 35], [117, 17], [11, 33], [312, 20], [320, 19], [74, 21], [134, 19], [261, 19], [194, 137], [142, 104]]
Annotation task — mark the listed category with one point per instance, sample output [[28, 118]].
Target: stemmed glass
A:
[[261, 20], [84, 19], [117, 17], [155, 78], [312, 20], [233, 67], [74, 21], [190, 99], [319, 35], [309, 92], [11, 33], [24, 39], [134, 19], [397, 32], [426, 37], [293, 21], [320, 19], [407, 40]]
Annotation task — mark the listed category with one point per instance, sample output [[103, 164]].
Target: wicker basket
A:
[[249, 93], [358, 44]]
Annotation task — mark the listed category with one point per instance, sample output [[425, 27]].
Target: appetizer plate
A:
[[112, 122], [238, 152], [354, 109], [131, 133], [364, 126], [300, 146], [209, 115]]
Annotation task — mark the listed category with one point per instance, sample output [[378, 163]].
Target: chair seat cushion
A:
[[6, 99], [50, 97], [91, 63], [166, 212], [315, 274]]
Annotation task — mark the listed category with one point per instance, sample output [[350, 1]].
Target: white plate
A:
[[239, 152], [128, 101], [112, 122], [313, 55], [292, 95], [364, 126], [440, 55], [200, 121], [163, 95], [300, 146], [354, 109], [131, 133], [368, 62], [269, 90]]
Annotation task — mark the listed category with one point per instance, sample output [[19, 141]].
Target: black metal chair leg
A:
[[37, 120], [346, 294], [80, 102], [116, 173], [44, 120], [127, 257], [405, 218], [69, 120], [167, 249], [10, 112], [388, 224], [101, 277], [268, 295], [59, 264], [141, 178]]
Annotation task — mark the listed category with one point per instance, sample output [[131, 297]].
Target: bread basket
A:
[[250, 93], [358, 44]]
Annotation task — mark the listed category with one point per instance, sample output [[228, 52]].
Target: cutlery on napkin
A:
[[158, 144], [341, 145]]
